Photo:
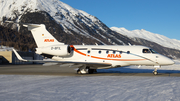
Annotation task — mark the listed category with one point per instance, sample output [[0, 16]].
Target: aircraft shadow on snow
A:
[[135, 70]]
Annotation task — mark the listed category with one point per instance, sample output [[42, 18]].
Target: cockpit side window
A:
[[146, 51]]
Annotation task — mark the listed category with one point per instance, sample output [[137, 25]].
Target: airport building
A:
[[8, 57]]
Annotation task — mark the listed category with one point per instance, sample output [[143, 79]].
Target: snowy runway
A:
[[103, 86], [89, 88]]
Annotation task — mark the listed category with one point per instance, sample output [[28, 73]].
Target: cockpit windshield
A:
[[148, 51], [153, 51]]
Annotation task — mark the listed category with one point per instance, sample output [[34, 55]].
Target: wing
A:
[[94, 64]]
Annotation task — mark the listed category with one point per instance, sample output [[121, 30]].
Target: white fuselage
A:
[[117, 55]]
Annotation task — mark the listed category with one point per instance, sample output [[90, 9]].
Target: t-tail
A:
[[41, 36], [46, 43]]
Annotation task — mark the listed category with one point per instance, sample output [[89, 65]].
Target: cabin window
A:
[[107, 52], [128, 52], [114, 52], [88, 51], [99, 52], [120, 52], [146, 51]]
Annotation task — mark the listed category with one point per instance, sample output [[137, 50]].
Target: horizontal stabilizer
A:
[[18, 56]]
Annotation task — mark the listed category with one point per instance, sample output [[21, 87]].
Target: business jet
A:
[[88, 58]]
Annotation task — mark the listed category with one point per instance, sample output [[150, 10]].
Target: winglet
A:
[[18, 56]]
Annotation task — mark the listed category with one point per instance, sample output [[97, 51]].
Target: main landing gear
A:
[[86, 70]]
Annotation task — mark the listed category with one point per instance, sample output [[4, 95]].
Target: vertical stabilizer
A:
[[41, 36]]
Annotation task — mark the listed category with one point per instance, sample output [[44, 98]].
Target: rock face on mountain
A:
[[68, 25]]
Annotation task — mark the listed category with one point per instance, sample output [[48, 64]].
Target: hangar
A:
[[8, 57]]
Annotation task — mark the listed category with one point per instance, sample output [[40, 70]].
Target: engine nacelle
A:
[[60, 50]]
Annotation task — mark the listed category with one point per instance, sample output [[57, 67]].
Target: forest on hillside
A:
[[12, 38]]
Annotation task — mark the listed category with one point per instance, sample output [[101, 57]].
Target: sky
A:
[[157, 16]]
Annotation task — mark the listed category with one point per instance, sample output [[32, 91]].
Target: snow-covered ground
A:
[[92, 88], [5, 48]]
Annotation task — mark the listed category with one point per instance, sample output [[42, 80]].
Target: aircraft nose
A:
[[170, 62], [167, 61]]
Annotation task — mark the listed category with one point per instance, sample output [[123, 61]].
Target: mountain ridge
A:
[[66, 24], [143, 34]]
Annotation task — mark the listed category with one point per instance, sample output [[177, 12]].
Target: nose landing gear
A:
[[155, 70]]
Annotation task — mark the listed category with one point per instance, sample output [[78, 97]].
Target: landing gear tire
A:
[[81, 71], [155, 72], [78, 71], [91, 71], [86, 70]]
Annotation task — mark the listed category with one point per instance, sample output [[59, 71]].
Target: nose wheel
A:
[[155, 71]]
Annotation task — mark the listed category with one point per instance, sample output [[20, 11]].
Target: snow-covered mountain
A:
[[157, 38], [67, 24], [71, 20], [14, 9]]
